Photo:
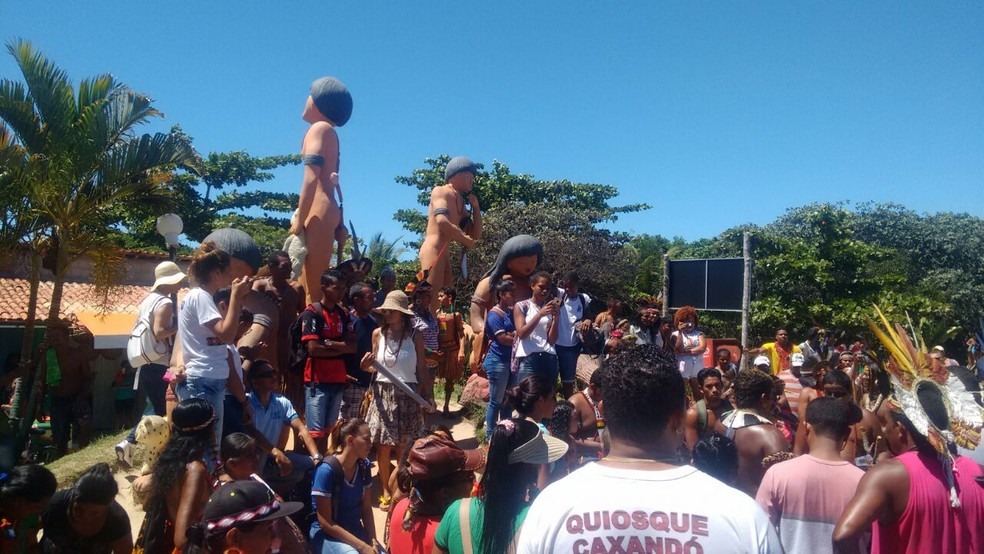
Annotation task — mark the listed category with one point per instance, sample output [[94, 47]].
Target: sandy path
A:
[[462, 430]]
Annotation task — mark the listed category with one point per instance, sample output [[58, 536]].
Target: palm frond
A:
[[17, 111], [95, 90], [131, 162], [50, 87]]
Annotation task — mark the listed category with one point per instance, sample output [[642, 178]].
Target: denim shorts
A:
[[543, 364], [322, 404]]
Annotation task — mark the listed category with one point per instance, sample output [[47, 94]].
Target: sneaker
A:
[[124, 452]]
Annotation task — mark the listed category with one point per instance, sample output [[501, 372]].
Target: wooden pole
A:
[[666, 285], [746, 296]]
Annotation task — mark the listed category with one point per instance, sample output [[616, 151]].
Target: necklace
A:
[[396, 353], [873, 406]]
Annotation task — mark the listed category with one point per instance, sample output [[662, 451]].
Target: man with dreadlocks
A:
[[926, 499]]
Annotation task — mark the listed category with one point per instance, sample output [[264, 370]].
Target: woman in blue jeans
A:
[[499, 327], [204, 333], [536, 330]]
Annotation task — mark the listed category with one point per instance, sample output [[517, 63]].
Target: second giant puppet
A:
[[453, 216], [319, 213]]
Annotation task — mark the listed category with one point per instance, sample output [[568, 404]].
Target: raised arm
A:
[[450, 229]]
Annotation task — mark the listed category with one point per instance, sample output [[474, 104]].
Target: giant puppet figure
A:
[[319, 213], [453, 216], [518, 258]]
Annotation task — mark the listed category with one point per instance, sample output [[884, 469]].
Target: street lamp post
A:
[[170, 226]]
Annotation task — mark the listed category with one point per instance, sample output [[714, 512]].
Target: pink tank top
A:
[[928, 523]]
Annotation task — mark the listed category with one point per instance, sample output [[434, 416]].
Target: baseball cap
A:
[[762, 360], [244, 501], [796, 360], [436, 457]]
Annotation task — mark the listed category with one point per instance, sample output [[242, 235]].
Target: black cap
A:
[[241, 502]]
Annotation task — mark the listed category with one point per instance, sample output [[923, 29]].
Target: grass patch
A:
[[68, 468]]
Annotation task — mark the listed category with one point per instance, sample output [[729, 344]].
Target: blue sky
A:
[[717, 114]]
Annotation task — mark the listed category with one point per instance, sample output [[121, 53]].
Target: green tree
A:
[[218, 194], [382, 252], [501, 187], [81, 157]]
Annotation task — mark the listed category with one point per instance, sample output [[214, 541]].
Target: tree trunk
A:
[[40, 370], [28, 356]]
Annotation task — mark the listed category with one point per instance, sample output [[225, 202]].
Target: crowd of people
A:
[[274, 398], [815, 446]]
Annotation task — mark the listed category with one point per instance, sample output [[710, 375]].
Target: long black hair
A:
[[524, 395], [96, 485], [191, 435], [518, 246], [505, 487]]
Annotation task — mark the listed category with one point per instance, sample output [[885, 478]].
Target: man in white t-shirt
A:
[[639, 498], [572, 317]]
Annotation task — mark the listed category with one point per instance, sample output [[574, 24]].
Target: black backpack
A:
[[298, 355]]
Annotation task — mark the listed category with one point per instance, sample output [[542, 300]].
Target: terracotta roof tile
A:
[[76, 297]]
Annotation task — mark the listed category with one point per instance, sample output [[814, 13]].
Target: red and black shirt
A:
[[332, 324]]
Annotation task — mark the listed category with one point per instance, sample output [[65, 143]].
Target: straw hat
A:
[[541, 449], [396, 300], [167, 273]]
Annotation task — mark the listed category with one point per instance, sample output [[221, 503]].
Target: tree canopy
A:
[[500, 187], [220, 194]]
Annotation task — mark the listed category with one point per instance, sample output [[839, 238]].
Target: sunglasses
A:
[[267, 375]]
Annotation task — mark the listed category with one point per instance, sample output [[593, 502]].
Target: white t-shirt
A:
[[537, 340], [604, 509], [204, 354], [571, 312]]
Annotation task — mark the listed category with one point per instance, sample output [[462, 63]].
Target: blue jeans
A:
[[543, 364], [212, 391], [567, 360], [322, 404], [321, 544], [300, 464], [500, 379], [152, 382]]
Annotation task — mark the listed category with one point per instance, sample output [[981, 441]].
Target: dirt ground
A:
[[462, 429]]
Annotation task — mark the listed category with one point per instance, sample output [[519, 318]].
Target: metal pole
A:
[[746, 296], [666, 285], [173, 250]]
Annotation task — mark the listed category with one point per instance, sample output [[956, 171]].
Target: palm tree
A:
[[382, 252], [79, 157]]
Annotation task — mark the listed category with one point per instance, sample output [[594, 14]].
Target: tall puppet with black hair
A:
[[926, 499], [179, 486], [518, 258], [452, 216], [320, 218]]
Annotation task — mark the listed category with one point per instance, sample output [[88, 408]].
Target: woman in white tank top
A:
[[394, 417]]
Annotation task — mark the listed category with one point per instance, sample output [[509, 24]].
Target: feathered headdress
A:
[[910, 371]]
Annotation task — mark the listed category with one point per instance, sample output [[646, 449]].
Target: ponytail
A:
[[342, 429], [205, 260]]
